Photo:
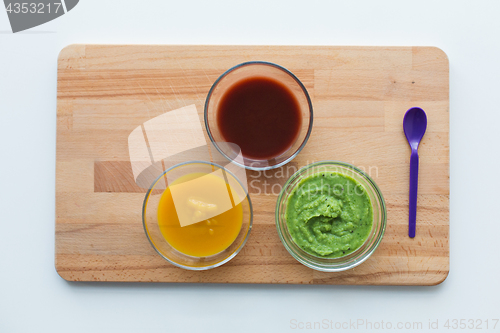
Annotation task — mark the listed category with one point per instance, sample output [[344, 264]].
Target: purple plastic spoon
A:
[[414, 125]]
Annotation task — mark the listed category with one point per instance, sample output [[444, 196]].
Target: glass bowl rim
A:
[[304, 90], [383, 219], [194, 268]]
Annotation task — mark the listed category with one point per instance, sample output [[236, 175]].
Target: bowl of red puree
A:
[[262, 108]]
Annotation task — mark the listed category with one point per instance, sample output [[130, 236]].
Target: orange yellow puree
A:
[[209, 236]]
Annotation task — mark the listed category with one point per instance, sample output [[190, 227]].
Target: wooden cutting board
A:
[[359, 95]]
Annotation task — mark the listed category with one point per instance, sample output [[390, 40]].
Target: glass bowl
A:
[[354, 258], [152, 227], [258, 69]]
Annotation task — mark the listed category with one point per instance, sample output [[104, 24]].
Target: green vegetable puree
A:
[[329, 214]]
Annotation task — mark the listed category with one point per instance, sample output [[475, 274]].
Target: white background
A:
[[33, 298]]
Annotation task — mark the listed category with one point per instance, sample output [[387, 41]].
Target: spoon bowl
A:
[[414, 125]]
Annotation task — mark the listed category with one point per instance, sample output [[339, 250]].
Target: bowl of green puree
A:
[[331, 216]]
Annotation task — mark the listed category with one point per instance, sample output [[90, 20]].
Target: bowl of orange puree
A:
[[197, 215]]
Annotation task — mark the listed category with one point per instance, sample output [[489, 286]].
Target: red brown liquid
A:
[[260, 115]]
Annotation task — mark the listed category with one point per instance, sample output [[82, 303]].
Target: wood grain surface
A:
[[359, 95]]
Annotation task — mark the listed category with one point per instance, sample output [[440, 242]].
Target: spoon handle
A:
[[412, 215]]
